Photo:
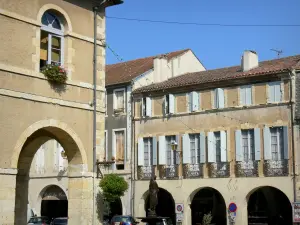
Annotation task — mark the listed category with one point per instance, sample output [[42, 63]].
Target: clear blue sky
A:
[[215, 46]]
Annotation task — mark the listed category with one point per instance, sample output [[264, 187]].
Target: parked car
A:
[[156, 221], [123, 220], [60, 221], [42, 220]]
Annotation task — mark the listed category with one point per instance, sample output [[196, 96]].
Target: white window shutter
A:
[[242, 95], [277, 88], [165, 105], [216, 98], [285, 142], [239, 156], [211, 147], [154, 151], [177, 155], [148, 106], [249, 95], [162, 150], [195, 101], [171, 104], [267, 144], [271, 89], [186, 149], [223, 146], [140, 152], [142, 108], [257, 143], [202, 147], [221, 98], [190, 105]]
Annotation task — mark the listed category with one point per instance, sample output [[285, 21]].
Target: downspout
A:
[[95, 9], [293, 138], [132, 153]]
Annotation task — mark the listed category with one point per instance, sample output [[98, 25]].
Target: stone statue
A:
[[153, 190]]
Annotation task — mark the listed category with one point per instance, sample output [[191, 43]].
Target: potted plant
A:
[[55, 73]]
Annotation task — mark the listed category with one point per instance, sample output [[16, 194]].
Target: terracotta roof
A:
[[126, 71], [209, 76]]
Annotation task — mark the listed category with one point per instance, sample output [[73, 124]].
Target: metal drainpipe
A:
[[293, 144], [95, 9], [132, 153]]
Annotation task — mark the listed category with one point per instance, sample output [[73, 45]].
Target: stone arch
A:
[[192, 195], [51, 126], [42, 192], [61, 11]]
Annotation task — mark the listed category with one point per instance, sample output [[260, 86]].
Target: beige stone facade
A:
[[34, 111], [183, 176]]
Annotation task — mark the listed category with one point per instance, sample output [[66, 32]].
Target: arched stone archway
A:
[[269, 205], [77, 171], [165, 206], [208, 200]]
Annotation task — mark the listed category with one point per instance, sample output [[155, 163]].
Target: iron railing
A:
[[246, 169], [193, 170], [169, 172], [276, 168], [219, 169], [145, 172]]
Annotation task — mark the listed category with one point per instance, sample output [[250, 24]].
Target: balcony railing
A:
[[193, 170], [169, 172], [246, 169], [219, 169], [277, 168], [145, 172]]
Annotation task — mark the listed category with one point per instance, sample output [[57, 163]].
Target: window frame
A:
[[250, 151], [114, 152], [280, 143], [150, 150], [243, 102], [53, 32], [173, 155], [197, 149], [105, 146], [218, 150], [115, 99], [274, 83]]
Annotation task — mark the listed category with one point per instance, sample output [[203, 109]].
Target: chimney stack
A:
[[249, 60]]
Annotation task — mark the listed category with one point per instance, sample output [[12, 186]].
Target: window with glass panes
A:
[[218, 146], [148, 151], [120, 99], [170, 154], [195, 148], [248, 145], [277, 143]]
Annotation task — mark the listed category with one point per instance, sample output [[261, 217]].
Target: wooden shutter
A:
[[165, 105], [171, 104], [223, 146], [211, 147], [285, 142], [154, 151], [140, 152], [267, 144], [162, 150], [195, 101], [120, 145], [257, 143], [177, 159], [186, 149], [148, 106], [202, 147], [242, 95], [249, 95], [277, 89], [271, 88], [239, 156], [216, 98]]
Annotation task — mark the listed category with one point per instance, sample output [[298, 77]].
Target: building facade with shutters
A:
[[218, 137], [121, 80]]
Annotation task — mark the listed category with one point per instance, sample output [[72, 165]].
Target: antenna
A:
[[278, 52]]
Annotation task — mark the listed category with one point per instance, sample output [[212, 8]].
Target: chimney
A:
[[249, 60], [161, 70]]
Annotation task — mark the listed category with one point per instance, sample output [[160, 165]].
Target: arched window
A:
[[52, 43]]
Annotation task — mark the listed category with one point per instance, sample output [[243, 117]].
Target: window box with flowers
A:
[[55, 73]]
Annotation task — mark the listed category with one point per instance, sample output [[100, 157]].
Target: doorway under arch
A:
[[208, 200], [269, 205], [54, 202], [165, 206]]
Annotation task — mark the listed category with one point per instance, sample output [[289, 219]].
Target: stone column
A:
[[187, 214], [7, 196], [80, 199]]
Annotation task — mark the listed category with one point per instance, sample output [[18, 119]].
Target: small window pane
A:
[[55, 42], [120, 99], [55, 56], [218, 146]]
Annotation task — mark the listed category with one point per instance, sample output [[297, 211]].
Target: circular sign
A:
[[179, 208], [232, 207]]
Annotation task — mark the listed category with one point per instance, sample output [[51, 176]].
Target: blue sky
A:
[[215, 46]]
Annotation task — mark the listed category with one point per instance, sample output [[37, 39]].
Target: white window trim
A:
[[115, 99], [172, 152], [279, 149], [249, 143], [150, 139], [281, 91], [240, 89], [197, 145], [114, 152], [105, 150]]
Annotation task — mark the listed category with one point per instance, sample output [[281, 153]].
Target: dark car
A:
[[60, 221], [156, 220], [123, 220], [42, 220]]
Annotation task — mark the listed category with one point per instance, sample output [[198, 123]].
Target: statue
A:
[[153, 190]]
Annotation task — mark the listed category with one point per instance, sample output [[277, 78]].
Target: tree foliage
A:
[[113, 187]]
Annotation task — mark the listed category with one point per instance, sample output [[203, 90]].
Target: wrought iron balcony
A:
[[246, 169], [219, 169], [277, 168], [169, 172], [193, 170], [145, 172]]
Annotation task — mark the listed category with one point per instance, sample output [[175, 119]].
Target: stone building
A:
[[33, 111], [221, 136]]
